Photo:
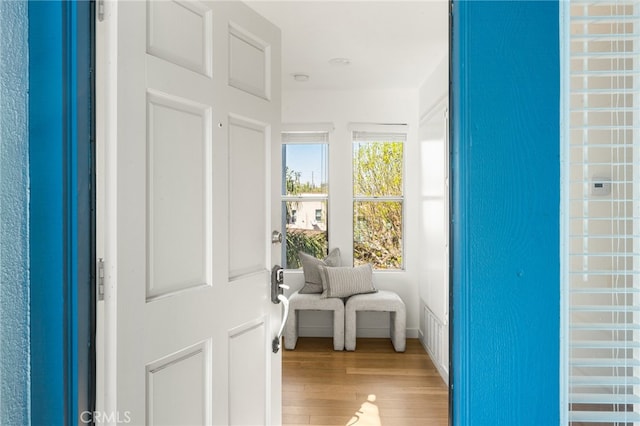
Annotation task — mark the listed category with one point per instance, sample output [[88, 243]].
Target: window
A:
[[378, 167], [304, 195], [601, 191]]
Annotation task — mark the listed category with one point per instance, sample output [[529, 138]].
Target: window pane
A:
[[377, 169], [305, 168], [304, 231], [377, 234]]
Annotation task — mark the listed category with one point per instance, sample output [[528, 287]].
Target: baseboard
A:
[[412, 333]]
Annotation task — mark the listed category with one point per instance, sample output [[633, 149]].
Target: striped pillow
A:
[[345, 281]]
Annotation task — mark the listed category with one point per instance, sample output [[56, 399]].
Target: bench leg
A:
[[338, 330], [350, 329], [398, 330], [291, 330]]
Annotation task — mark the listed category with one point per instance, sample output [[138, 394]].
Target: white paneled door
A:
[[188, 123]]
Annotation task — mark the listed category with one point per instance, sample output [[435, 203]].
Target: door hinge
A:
[[100, 281], [100, 8]]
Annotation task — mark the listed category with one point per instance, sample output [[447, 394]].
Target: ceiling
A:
[[389, 44]]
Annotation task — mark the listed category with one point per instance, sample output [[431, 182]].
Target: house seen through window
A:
[[304, 195]]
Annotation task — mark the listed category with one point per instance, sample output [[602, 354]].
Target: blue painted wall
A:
[[505, 212], [14, 247]]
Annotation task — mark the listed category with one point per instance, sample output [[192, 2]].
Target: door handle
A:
[[277, 283], [275, 344], [277, 296]]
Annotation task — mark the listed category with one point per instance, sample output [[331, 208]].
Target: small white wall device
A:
[[600, 186]]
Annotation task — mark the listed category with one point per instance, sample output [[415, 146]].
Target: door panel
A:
[[188, 150], [179, 387], [247, 197], [248, 374], [179, 196], [193, 21], [249, 62]]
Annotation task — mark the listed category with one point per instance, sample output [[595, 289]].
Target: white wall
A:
[[340, 108], [433, 238], [435, 86]]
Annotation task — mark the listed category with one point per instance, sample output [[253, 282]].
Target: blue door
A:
[[505, 212]]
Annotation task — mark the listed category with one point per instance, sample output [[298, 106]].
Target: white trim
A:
[[307, 127], [379, 127], [565, 65], [364, 332], [306, 197], [390, 198], [106, 205]]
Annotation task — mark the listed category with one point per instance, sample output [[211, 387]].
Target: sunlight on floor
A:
[[368, 414]]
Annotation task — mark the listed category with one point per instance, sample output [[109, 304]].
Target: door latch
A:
[[277, 283]]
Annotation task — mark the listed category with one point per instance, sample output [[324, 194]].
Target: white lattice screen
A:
[[602, 199]]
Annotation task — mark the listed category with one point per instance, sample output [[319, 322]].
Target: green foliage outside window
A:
[[377, 224], [377, 234], [377, 169], [310, 242]]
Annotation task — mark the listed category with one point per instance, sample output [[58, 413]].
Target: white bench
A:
[[313, 302], [381, 301]]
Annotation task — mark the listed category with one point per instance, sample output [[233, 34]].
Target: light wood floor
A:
[[373, 386]]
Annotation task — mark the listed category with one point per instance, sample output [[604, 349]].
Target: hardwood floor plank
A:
[[412, 372], [397, 421], [372, 386], [340, 396], [344, 420], [291, 419]]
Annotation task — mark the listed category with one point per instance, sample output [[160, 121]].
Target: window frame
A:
[[284, 198], [383, 131]]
